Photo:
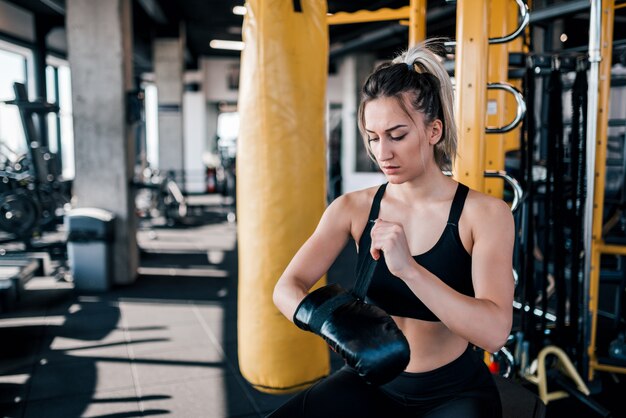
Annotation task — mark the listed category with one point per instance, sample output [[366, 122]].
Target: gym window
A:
[[15, 66], [60, 127]]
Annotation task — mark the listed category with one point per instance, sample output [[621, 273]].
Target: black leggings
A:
[[462, 388]]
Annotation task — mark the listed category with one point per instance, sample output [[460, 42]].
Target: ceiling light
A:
[[239, 10], [221, 44], [563, 37]]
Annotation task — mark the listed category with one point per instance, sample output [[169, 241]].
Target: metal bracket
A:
[[521, 108], [518, 192], [525, 19]]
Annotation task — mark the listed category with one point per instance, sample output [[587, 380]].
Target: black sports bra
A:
[[447, 259]]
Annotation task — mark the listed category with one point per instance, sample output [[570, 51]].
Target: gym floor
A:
[[166, 345]]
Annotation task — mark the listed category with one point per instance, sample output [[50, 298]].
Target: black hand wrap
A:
[[363, 334]]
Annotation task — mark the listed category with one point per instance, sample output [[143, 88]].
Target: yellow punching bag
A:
[[280, 182]]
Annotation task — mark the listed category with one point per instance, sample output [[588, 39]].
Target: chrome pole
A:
[[595, 27]]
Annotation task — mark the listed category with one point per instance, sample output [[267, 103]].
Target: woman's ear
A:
[[436, 130]]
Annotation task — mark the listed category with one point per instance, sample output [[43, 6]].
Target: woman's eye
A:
[[372, 139], [397, 138]]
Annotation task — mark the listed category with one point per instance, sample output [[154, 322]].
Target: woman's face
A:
[[402, 144]]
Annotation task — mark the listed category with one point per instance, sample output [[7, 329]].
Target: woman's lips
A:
[[392, 169]]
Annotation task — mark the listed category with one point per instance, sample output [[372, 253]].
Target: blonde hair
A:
[[419, 75]]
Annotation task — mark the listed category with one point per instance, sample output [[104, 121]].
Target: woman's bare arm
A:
[[315, 257], [485, 320]]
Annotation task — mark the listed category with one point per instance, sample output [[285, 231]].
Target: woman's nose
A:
[[384, 150]]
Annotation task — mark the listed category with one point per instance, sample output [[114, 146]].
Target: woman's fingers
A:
[[382, 235], [388, 238], [375, 248]]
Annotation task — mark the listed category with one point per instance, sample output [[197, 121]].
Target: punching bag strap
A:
[[297, 6]]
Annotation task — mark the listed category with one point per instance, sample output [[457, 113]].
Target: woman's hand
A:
[[389, 238]]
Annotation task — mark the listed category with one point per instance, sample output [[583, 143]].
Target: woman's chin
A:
[[395, 179]]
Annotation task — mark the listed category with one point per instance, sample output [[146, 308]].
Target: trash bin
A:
[[89, 248]]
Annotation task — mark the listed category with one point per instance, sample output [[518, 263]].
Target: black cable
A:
[[548, 197], [578, 143], [555, 135], [528, 322]]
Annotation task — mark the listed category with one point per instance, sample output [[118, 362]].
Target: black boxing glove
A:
[[363, 334]]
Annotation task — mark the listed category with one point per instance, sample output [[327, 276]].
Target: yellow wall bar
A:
[[608, 368], [417, 22], [496, 99], [471, 90], [363, 16], [612, 249], [606, 50]]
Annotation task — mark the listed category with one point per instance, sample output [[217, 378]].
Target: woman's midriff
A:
[[432, 344]]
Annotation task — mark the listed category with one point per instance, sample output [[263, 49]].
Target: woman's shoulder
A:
[[483, 208], [355, 206], [357, 199], [480, 200]]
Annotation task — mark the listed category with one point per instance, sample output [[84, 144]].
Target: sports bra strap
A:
[[457, 204], [365, 263], [376, 202]]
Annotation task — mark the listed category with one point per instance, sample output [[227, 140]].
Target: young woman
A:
[[444, 255]]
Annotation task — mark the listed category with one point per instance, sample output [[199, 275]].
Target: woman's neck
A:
[[432, 185]]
